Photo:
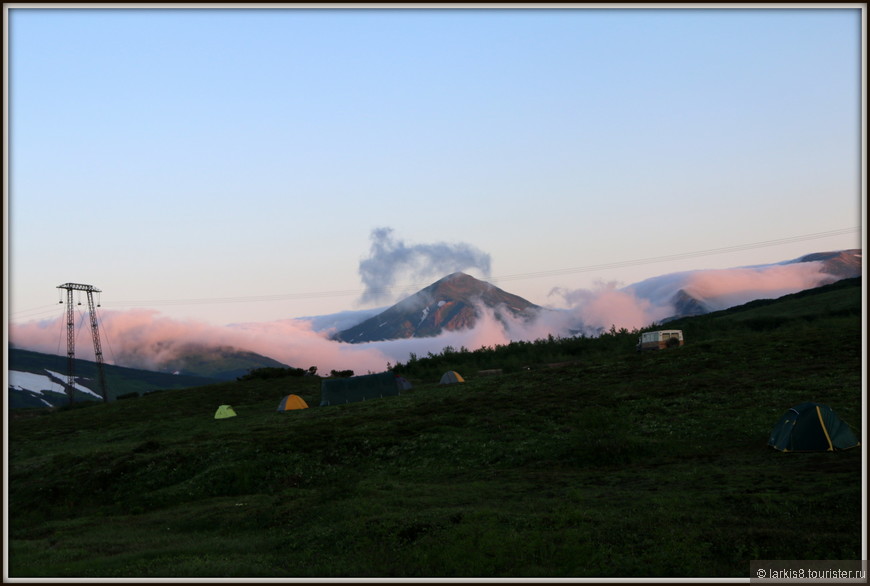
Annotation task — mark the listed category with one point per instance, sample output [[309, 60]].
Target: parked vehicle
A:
[[659, 340]]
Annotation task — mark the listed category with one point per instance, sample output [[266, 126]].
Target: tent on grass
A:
[[224, 411], [335, 391], [450, 377], [811, 427], [291, 403]]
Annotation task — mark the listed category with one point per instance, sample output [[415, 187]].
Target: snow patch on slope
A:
[[36, 383], [40, 383]]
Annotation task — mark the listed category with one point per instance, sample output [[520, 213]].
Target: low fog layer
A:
[[146, 339]]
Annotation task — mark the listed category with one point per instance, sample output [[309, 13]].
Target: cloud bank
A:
[[653, 300], [148, 340], [727, 288], [145, 339]]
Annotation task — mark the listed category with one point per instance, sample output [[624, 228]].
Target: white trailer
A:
[[659, 340]]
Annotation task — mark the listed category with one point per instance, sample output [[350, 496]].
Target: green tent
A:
[[335, 391], [811, 427], [224, 411]]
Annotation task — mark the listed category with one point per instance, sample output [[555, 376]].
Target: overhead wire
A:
[[513, 277], [679, 256], [105, 336], [60, 331], [35, 312], [496, 279]]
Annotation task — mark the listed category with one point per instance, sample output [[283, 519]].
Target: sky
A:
[[216, 167]]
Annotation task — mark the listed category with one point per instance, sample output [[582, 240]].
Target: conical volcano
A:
[[452, 303]]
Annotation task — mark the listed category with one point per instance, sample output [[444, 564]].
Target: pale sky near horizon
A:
[[231, 165]]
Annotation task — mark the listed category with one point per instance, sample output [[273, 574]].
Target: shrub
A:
[[270, 372]]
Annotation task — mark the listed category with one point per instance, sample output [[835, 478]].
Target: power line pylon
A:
[[71, 338]]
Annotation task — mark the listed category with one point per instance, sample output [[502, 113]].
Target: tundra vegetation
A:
[[611, 463]]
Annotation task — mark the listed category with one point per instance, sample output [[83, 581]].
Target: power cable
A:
[[514, 277], [35, 312], [60, 337], [680, 256], [102, 328], [497, 279]]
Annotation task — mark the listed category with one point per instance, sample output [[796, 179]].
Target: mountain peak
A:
[[459, 278], [452, 303], [458, 283], [456, 275]]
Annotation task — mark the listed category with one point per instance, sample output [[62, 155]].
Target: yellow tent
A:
[[224, 411], [291, 402], [451, 377]]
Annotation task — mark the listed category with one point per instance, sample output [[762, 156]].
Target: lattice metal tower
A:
[[71, 338]]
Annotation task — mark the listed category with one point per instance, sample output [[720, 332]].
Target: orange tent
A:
[[291, 402]]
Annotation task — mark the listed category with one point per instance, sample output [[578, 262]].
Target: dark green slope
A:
[[842, 299], [121, 381], [618, 464]]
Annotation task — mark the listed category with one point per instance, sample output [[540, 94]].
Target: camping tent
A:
[[224, 411], [451, 377], [811, 427], [335, 391], [291, 402]]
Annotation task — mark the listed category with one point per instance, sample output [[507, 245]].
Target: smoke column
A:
[[389, 259]]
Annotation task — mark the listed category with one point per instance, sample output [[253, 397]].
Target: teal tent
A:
[[811, 427], [335, 391]]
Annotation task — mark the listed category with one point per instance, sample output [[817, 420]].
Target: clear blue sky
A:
[[168, 155]]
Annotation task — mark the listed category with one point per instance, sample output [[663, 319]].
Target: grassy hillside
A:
[[841, 299], [618, 464]]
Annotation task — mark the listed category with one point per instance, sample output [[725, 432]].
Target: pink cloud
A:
[[147, 339], [607, 305], [729, 287]]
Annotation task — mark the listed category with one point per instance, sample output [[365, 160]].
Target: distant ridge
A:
[[39, 380], [219, 362], [843, 264], [838, 265]]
